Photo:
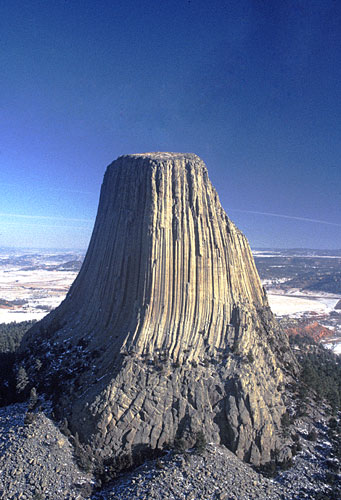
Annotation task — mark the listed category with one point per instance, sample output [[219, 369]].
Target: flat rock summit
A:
[[166, 332]]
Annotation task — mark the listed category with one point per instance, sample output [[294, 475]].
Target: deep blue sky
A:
[[251, 86]]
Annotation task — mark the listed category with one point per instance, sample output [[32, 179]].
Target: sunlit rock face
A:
[[166, 331]]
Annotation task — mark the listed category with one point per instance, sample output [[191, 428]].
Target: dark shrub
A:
[[200, 444], [180, 445], [312, 436], [30, 418], [250, 357]]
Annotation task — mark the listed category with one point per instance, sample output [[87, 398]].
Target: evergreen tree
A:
[[33, 399], [21, 380]]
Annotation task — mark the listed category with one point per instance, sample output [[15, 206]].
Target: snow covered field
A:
[[334, 346], [38, 290], [10, 316], [296, 304]]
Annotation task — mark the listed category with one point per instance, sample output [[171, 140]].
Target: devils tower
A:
[[166, 331]]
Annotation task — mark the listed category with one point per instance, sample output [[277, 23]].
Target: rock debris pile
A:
[[36, 459], [37, 463]]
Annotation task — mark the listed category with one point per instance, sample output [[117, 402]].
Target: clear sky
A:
[[251, 86]]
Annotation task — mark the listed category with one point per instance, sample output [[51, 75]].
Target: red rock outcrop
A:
[[313, 330]]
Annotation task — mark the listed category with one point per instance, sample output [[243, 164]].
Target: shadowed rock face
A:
[[166, 331]]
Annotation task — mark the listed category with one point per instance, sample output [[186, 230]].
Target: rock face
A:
[[314, 330], [166, 331]]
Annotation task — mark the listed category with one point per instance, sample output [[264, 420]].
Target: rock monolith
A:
[[166, 332]]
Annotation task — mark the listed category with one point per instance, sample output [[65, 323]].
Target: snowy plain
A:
[[37, 289], [293, 303]]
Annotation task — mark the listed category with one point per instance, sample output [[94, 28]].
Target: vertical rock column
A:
[[170, 301]]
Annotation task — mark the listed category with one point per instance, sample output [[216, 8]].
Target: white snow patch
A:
[[42, 290], [288, 304], [336, 348], [7, 316]]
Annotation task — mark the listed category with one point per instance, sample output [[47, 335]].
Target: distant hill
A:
[[298, 252], [41, 261], [310, 273], [71, 265], [9, 304]]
